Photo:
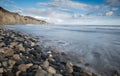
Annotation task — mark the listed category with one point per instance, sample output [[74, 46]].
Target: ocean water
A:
[[96, 45]]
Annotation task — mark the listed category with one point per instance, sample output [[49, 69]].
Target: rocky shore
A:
[[20, 55]]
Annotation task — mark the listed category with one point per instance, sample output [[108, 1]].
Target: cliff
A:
[[11, 18]]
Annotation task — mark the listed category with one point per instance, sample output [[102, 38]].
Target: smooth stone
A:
[[24, 67], [32, 43], [12, 44], [48, 74], [1, 70], [4, 63], [9, 73], [8, 51], [20, 47], [16, 56], [51, 70], [46, 64], [0, 64], [17, 73], [11, 62], [58, 75], [69, 66], [40, 73]]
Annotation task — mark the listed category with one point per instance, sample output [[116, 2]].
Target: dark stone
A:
[[76, 74], [8, 73], [44, 56], [76, 69], [33, 52], [23, 74], [18, 62], [36, 62]]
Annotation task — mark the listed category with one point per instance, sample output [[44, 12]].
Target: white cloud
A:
[[66, 4], [109, 13], [114, 9], [114, 2]]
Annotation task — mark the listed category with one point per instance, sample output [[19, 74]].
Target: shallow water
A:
[[97, 45]]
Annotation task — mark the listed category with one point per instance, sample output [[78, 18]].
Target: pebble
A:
[[4, 63], [51, 70], [11, 62], [16, 56], [1, 70], [40, 73], [69, 66], [24, 67], [46, 64]]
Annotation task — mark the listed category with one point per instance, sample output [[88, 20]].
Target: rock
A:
[[12, 44], [11, 63], [16, 56], [2, 44], [58, 75], [51, 70], [29, 65], [1, 70], [8, 51], [32, 43], [24, 67], [0, 64], [48, 74], [49, 52], [46, 64], [4, 63], [40, 73], [9, 73], [35, 66], [17, 73], [69, 66], [20, 47]]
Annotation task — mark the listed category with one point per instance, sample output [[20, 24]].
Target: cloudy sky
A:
[[102, 12]]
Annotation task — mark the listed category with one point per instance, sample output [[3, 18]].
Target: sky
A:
[[89, 12]]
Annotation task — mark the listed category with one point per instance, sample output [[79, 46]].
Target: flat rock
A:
[[1, 70], [69, 66], [40, 73], [51, 70], [24, 67], [16, 56]]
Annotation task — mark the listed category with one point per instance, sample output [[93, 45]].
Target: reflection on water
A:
[[97, 45]]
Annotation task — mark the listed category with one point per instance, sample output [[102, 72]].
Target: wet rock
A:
[[20, 47], [40, 73], [48, 74], [17, 73], [12, 44], [24, 67], [46, 64], [4, 63], [35, 66], [1, 70], [58, 75], [51, 70], [2, 44], [9, 73], [8, 51], [0, 64], [16, 56], [69, 66], [32, 43]]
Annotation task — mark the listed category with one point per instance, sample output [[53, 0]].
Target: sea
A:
[[95, 47]]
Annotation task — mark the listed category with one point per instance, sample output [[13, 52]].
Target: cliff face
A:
[[12, 18]]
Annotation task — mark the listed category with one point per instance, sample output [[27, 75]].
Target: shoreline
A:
[[20, 55]]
